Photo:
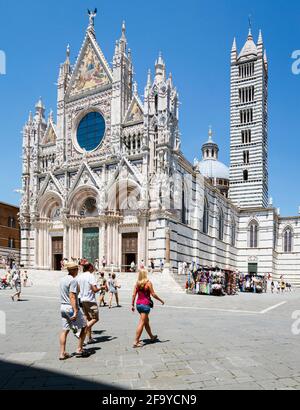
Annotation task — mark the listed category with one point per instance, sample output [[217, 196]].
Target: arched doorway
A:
[[85, 235], [49, 232]]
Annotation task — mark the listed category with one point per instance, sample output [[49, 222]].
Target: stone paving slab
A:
[[218, 348]]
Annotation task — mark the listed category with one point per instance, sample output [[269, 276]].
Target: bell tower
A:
[[249, 125]]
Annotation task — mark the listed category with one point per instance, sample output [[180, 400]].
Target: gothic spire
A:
[[30, 118], [260, 38], [160, 68], [123, 39], [234, 47], [149, 79]]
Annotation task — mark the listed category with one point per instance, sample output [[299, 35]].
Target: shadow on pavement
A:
[[148, 342], [104, 339], [15, 376]]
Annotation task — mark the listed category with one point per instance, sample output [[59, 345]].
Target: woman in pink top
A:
[[144, 290]]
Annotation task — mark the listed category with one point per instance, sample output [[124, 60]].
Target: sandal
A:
[[138, 345], [155, 339], [91, 342], [65, 357], [82, 355]]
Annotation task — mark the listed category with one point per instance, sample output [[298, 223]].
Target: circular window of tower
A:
[[90, 131]]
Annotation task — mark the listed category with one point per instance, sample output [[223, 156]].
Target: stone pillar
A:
[[79, 241], [44, 247], [120, 250], [168, 246], [109, 244], [36, 246], [70, 242], [167, 266], [102, 244], [49, 249], [143, 240], [66, 242], [117, 246]]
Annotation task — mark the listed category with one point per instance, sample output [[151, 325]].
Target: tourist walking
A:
[[132, 267], [103, 289], [88, 289], [16, 279], [9, 278], [113, 288], [72, 317], [143, 291], [104, 262], [282, 286], [161, 265], [25, 278], [272, 286], [152, 265]]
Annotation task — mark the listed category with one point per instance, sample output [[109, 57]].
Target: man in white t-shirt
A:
[[88, 289]]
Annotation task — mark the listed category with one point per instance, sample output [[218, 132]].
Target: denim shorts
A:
[[143, 309]]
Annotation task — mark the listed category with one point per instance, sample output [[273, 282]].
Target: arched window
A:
[[205, 225], [156, 104], [253, 235], [246, 175], [184, 211], [221, 225], [233, 232], [288, 240]]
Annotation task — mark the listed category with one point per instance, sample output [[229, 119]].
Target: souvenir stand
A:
[[253, 283], [207, 281], [231, 282]]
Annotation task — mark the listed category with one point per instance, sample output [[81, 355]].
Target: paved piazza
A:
[[240, 342]]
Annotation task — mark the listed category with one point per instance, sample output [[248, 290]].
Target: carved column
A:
[[168, 248]]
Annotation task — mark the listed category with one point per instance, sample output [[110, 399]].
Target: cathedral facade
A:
[[107, 176]]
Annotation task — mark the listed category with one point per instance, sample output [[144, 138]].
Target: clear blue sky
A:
[[195, 37]]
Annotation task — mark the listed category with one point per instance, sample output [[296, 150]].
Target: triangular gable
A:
[[50, 136], [51, 184], [135, 111], [85, 176], [91, 69], [132, 170]]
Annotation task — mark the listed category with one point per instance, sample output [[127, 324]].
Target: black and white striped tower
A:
[[249, 125]]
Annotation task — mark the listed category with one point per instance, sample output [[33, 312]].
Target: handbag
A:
[[151, 303]]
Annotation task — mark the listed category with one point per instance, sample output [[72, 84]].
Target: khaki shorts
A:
[[90, 310]]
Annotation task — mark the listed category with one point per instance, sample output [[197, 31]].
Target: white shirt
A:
[[85, 282]]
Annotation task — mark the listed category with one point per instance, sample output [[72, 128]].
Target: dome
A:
[[211, 168]]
